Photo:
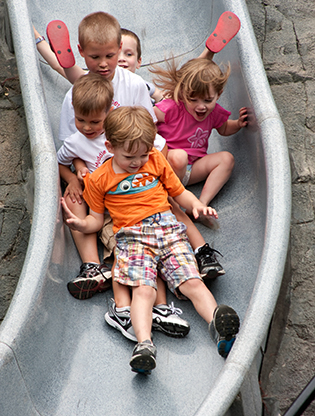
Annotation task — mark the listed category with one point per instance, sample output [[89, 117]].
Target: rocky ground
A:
[[286, 38]]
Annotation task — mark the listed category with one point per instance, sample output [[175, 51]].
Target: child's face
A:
[[124, 161], [101, 59], [200, 108], [128, 56], [90, 126]]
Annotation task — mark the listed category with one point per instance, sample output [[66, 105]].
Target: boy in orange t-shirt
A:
[[134, 186]]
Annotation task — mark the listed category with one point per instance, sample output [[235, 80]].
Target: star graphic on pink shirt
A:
[[199, 139]]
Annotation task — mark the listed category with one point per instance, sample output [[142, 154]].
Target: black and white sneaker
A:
[[143, 358], [92, 278], [209, 267], [223, 328], [166, 319], [120, 320]]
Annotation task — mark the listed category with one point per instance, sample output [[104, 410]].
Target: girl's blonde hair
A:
[[132, 125], [99, 27], [92, 93], [191, 80]]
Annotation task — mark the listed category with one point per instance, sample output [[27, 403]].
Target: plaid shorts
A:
[[156, 245]]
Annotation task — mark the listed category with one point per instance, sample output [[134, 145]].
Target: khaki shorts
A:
[[107, 237]]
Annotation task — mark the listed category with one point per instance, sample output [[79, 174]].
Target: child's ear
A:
[[139, 63], [80, 50], [109, 146]]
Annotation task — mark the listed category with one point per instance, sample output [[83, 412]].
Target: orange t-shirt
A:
[[130, 198]]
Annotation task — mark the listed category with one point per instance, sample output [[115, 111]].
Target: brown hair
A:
[[127, 32], [92, 93], [191, 80], [132, 125], [99, 27]]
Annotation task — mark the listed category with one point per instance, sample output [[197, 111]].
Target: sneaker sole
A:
[[227, 325], [84, 289], [172, 330], [212, 274], [142, 363], [115, 325]]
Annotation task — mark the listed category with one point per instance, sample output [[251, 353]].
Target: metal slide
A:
[[58, 357]]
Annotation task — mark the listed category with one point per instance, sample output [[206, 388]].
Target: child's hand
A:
[[69, 218], [202, 210], [74, 190], [242, 120], [81, 173]]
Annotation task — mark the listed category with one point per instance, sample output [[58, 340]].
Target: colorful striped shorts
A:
[[156, 245]]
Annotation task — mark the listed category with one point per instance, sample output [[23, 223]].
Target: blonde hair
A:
[[92, 93], [191, 80], [99, 27], [127, 32], [131, 125]]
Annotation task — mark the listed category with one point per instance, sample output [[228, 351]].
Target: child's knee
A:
[[177, 158], [228, 160], [147, 293], [190, 286], [80, 210]]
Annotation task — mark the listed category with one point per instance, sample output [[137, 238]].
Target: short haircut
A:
[[127, 32], [132, 125], [191, 80], [99, 27], [92, 93]]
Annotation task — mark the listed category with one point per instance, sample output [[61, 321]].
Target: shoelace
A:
[[210, 254], [174, 310]]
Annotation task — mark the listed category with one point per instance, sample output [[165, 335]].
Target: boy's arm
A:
[[157, 95], [90, 224], [188, 201], [80, 168], [71, 74], [233, 126], [74, 188]]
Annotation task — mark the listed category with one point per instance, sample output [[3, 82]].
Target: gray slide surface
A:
[[57, 355]]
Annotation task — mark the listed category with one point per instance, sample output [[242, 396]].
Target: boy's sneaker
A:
[[223, 328], [120, 320], [92, 278], [209, 267], [143, 358], [166, 319]]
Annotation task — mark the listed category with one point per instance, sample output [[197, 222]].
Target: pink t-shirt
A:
[[182, 131]]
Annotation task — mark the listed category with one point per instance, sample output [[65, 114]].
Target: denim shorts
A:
[[158, 245]]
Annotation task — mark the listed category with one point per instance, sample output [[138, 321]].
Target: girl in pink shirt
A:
[[186, 118]]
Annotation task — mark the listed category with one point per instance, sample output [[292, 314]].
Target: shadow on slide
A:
[[57, 355]]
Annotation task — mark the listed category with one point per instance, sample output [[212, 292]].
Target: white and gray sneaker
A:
[[120, 319], [167, 320]]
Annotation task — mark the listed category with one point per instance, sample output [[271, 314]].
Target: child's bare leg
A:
[[121, 295], [217, 168], [85, 243], [201, 297], [178, 159], [160, 293], [143, 298]]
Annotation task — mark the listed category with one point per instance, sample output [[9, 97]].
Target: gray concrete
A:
[[290, 86]]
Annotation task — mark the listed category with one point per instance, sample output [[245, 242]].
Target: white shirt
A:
[[129, 89]]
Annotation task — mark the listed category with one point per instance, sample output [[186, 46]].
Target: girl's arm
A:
[[71, 74], [189, 201], [233, 126], [74, 188], [90, 224], [159, 114]]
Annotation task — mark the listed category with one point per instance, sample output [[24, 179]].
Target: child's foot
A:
[[120, 320], [58, 35], [209, 267], [92, 278], [227, 27], [143, 358], [166, 320], [223, 328]]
